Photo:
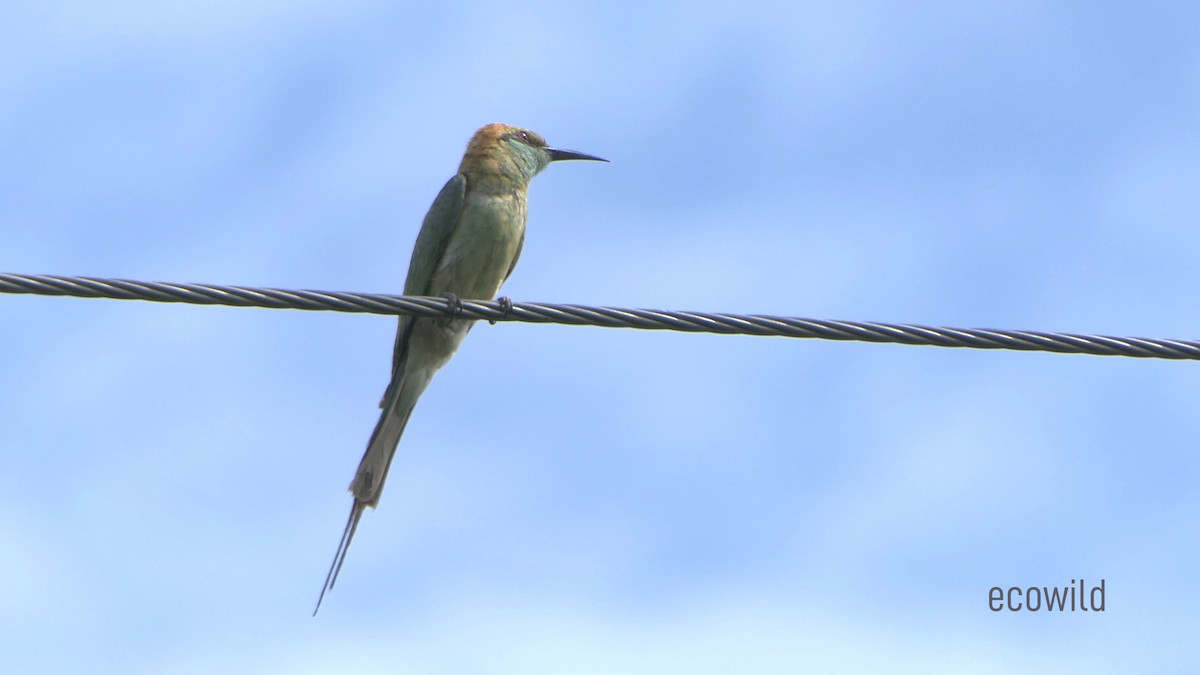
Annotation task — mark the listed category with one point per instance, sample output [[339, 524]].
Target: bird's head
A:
[[502, 150]]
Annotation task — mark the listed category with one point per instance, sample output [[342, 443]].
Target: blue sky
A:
[[590, 500]]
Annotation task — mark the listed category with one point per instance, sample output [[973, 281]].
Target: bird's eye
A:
[[528, 138]]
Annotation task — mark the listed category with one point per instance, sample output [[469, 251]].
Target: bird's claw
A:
[[455, 304], [506, 306]]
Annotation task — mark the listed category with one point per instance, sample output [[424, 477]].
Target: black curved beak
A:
[[557, 155]]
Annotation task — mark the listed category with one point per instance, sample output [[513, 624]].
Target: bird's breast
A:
[[483, 246]]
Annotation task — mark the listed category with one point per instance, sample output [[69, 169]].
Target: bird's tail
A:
[[373, 469]]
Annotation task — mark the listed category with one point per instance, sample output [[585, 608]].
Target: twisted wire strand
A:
[[612, 317]]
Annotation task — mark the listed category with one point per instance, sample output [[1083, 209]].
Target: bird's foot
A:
[[506, 305], [455, 304]]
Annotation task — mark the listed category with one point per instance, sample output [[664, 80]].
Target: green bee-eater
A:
[[468, 245]]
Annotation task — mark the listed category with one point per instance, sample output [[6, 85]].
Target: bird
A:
[[467, 247]]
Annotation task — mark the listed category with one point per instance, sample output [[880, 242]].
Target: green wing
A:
[[516, 256], [439, 224]]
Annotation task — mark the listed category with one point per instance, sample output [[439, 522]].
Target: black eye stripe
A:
[[527, 137]]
